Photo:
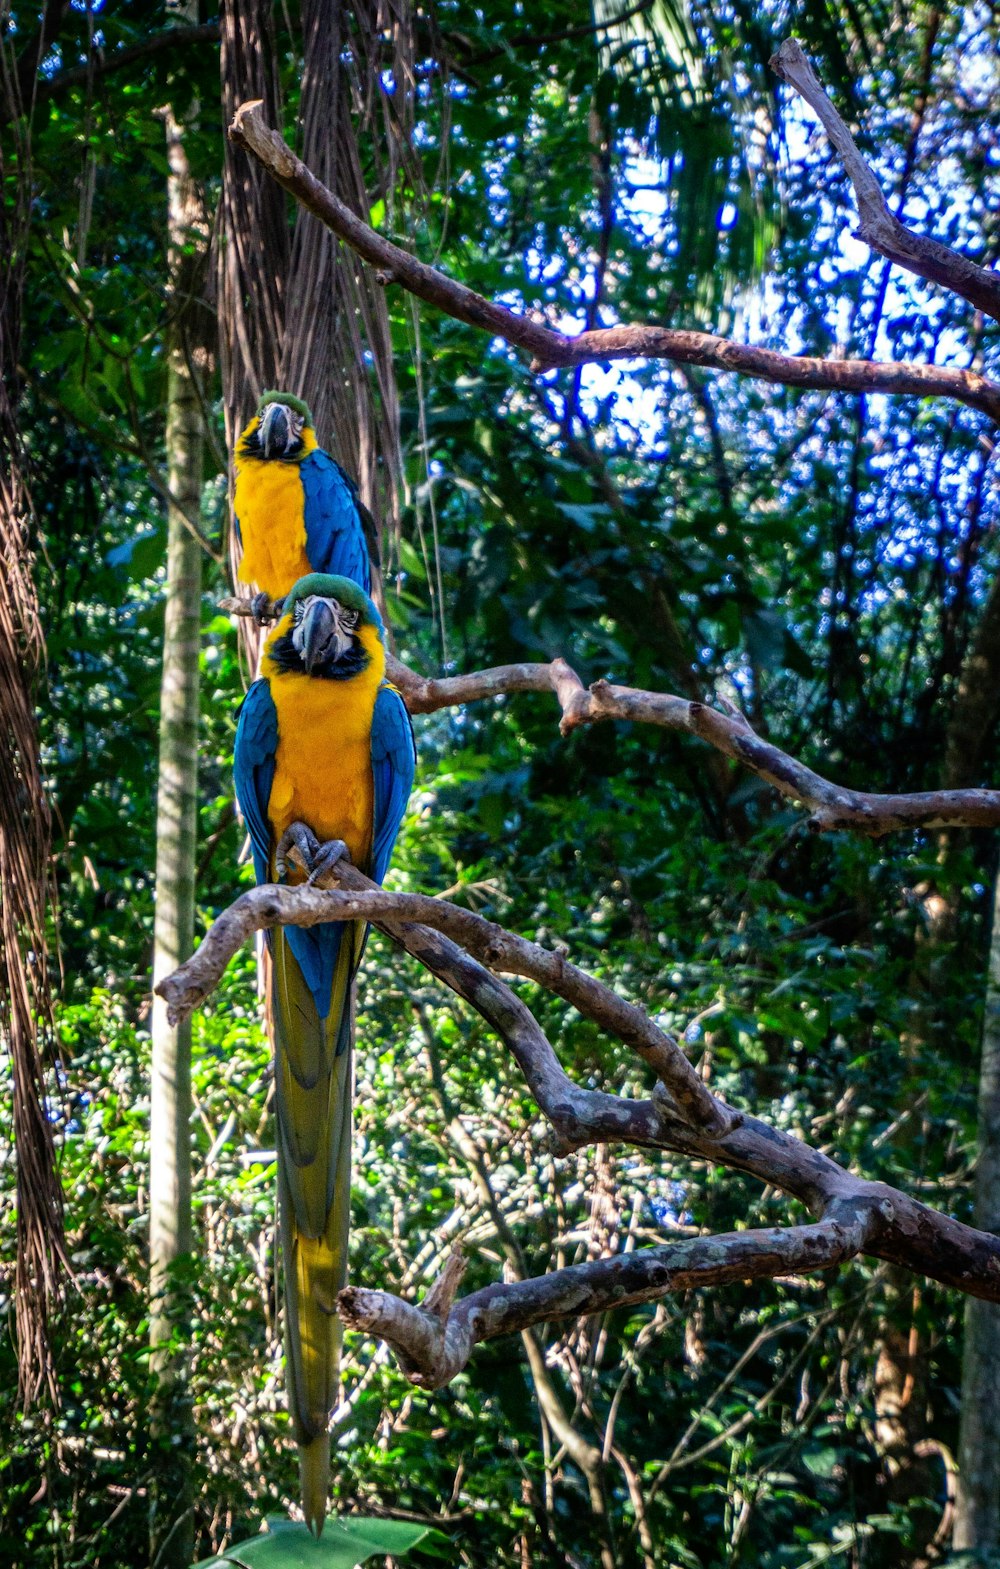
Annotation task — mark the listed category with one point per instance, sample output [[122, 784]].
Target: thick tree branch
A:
[[433, 1341], [831, 807], [928, 259], [909, 1233], [499, 949], [550, 348]]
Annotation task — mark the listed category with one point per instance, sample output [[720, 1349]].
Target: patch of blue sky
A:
[[546, 269], [620, 392], [628, 396]]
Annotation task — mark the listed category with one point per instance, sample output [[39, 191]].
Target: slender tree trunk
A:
[[977, 1515], [170, 1230], [909, 1469]]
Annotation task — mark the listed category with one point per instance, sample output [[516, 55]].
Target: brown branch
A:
[[928, 259], [433, 1347], [909, 1234], [831, 807], [395, 914], [550, 348]]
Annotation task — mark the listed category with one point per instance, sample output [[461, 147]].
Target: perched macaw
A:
[[296, 509], [324, 752]]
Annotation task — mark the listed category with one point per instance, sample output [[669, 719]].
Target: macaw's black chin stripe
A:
[[286, 656], [252, 447]]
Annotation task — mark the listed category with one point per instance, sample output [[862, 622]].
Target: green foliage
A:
[[344, 1543], [820, 560]]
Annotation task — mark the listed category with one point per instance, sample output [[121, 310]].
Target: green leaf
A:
[[345, 1542]]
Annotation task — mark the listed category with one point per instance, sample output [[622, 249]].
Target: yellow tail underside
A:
[[313, 1067]]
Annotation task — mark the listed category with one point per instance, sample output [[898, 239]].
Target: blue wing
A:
[[394, 761], [253, 771], [334, 518]]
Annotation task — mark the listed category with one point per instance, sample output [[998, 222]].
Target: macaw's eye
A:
[[349, 618], [298, 612]]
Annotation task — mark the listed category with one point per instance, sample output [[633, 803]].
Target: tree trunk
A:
[[25, 822], [977, 1515], [170, 1231]]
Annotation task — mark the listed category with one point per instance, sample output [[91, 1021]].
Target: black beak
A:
[[275, 430], [318, 635]]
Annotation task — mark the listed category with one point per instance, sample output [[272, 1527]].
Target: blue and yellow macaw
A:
[[297, 511], [324, 753]]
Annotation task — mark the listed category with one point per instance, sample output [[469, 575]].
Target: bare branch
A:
[[550, 348], [497, 948], [929, 259], [433, 1348], [913, 1235], [831, 806]]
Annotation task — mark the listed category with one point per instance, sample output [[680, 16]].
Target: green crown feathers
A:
[[328, 586]]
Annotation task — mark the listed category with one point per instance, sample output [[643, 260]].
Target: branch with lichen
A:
[[681, 1115], [830, 806]]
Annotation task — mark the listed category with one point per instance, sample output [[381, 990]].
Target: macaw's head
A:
[[281, 430], [328, 628]]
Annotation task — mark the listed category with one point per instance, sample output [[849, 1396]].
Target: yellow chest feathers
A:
[[270, 503], [323, 771]]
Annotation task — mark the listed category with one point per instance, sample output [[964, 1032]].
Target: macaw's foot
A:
[[327, 857], [266, 610], [298, 843]]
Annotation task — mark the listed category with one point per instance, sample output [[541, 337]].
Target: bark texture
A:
[[977, 1516], [549, 348], [170, 1226], [896, 1228], [25, 825]]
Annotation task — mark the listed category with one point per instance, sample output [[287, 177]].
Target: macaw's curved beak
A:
[[319, 637], [275, 430]]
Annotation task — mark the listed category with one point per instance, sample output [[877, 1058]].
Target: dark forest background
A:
[[823, 560]]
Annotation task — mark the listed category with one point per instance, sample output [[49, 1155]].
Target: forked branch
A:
[[682, 1116], [433, 1346], [831, 807]]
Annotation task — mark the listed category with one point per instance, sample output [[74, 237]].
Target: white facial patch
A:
[[299, 615]]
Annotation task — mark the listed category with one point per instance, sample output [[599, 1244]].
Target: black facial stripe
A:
[[287, 657]]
